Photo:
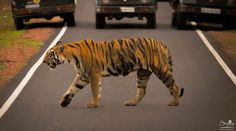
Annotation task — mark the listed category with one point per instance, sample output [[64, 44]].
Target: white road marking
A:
[[27, 77], [217, 57]]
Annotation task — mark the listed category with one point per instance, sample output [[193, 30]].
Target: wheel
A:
[[229, 24], [100, 21], [226, 25], [19, 23], [70, 19], [151, 20], [174, 19], [181, 20]]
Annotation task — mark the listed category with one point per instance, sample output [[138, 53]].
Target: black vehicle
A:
[[23, 10], [119, 9], [213, 11]]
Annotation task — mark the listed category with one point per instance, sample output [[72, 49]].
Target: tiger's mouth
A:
[[53, 65]]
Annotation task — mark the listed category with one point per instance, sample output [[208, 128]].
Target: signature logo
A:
[[226, 125]]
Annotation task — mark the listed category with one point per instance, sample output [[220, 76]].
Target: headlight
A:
[[189, 1]]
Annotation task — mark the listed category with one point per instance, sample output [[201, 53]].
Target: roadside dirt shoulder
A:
[[226, 41], [14, 57]]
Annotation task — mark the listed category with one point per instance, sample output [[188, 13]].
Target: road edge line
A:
[[217, 56], [27, 77]]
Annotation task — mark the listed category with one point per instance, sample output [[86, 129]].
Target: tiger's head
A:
[[54, 56]]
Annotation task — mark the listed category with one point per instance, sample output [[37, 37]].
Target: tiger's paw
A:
[[91, 105], [66, 100], [173, 103], [130, 103]]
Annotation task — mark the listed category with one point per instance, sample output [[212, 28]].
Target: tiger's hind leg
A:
[[176, 94], [166, 76], [143, 77], [78, 84]]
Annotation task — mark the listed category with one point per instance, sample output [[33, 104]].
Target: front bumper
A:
[[43, 11], [121, 9], [191, 9]]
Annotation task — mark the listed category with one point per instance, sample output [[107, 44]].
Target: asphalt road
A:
[[208, 101]]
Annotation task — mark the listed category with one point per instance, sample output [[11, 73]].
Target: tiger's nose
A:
[[45, 62]]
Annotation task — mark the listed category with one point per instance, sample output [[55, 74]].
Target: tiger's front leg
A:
[[143, 77], [78, 84], [95, 79]]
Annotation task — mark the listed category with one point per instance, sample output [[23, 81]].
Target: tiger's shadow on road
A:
[[91, 25], [125, 26], [159, 26], [208, 27]]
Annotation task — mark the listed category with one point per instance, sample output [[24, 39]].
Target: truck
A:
[[119, 9], [24, 10], [212, 11]]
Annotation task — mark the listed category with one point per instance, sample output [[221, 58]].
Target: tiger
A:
[[119, 57]]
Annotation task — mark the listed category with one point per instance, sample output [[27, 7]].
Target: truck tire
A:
[[181, 20], [151, 20], [100, 21], [19, 23], [70, 19], [229, 24], [173, 19]]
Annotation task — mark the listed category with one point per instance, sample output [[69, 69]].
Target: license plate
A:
[[32, 6], [210, 10], [127, 9]]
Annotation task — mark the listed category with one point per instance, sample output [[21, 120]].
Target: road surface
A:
[[208, 102]]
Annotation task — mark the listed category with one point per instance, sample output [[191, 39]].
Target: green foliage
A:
[[8, 37], [6, 21], [32, 43], [8, 34]]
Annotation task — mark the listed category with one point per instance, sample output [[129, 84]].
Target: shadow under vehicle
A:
[[23, 10], [213, 11], [119, 9]]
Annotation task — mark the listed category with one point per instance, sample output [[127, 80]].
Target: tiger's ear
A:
[[61, 48], [59, 42]]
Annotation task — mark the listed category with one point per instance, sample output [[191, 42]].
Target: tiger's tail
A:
[[166, 76], [170, 61], [170, 64], [181, 92]]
